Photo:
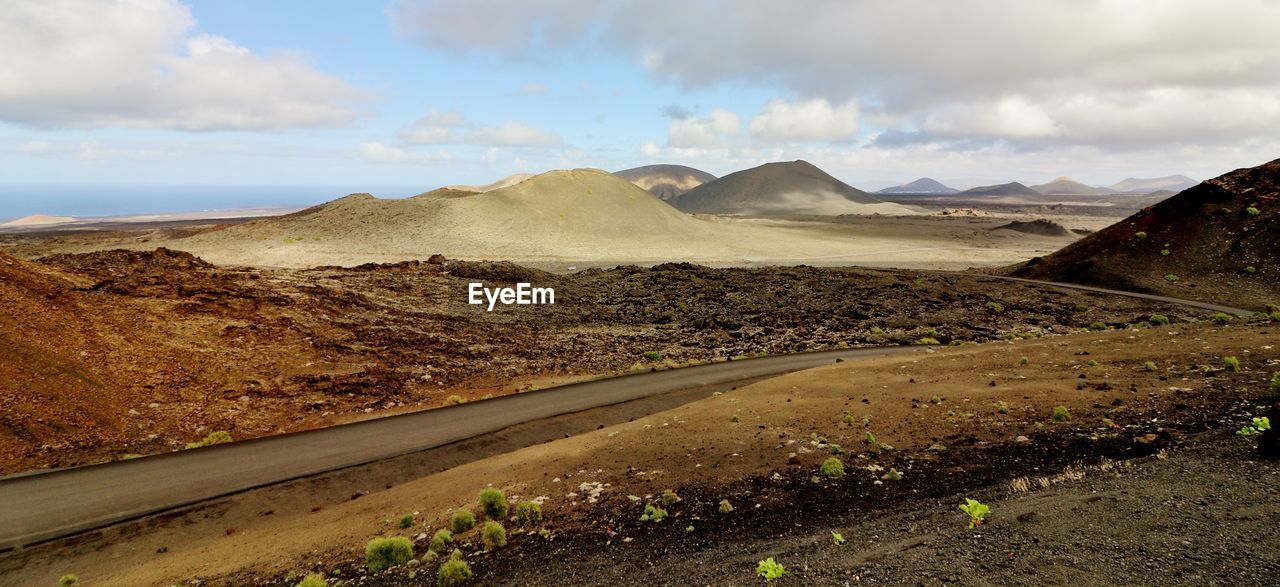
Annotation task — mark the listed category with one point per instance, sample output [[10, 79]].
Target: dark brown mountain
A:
[[1214, 242], [782, 189]]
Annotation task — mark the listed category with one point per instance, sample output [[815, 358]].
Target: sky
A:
[[215, 103]]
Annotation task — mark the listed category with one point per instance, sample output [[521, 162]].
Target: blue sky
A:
[[301, 102]]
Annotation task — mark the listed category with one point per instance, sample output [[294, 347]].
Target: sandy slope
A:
[[581, 215]]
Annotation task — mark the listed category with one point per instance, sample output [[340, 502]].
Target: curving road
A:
[[47, 505]]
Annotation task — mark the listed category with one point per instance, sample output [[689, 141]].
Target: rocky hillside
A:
[[1214, 242]]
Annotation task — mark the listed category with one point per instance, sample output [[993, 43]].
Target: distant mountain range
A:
[[923, 185], [1062, 186], [785, 188], [1173, 183]]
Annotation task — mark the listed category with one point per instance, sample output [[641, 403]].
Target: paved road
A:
[[43, 506], [1152, 297], [48, 505]]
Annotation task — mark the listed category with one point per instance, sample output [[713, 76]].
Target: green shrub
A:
[[440, 541], [454, 400], [1275, 315], [1171, 278], [493, 503], [1092, 363], [937, 399], [1221, 319], [1023, 361], [1149, 366], [848, 419], [1258, 426], [1252, 211], [1251, 270], [1164, 252], [735, 419], [1002, 407], [837, 538], [996, 307], [215, 437], [528, 513], [977, 511], [833, 468], [1231, 364], [725, 506], [892, 475], [928, 340], [495, 536], [1140, 235], [462, 521], [1096, 327], [1159, 319], [1275, 384], [453, 572], [653, 513], [313, 580], [669, 498], [770, 569], [653, 356], [384, 553], [1061, 414], [68, 581], [406, 521]]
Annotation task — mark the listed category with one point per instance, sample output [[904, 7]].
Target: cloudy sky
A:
[[413, 94]]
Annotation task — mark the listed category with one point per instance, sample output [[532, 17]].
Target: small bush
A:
[[725, 506], [1023, 361], [833, 468], [977, 511], [1252, 211], [1171, 278], [462, 521], [1149, 366], [384, 553], [1061, 414], [440, 541], [453, 572], [495, 536], [892, 475], [653, 513], [313, 580], [1096, 327], [1275, 315], [937, 399], [1221, 319], [1231, 364], [406, 521], [735, 419], [68, 581], [1159, 319], [1140, 236], [1092, 363], [848, 419], [528, 513], [1251, 270], [493, 503], [928, 340], [653, 356], [770, 569], [837, 538], [454, 400], [1002, 407], [1164, 252], [996, 307], [669, 498]]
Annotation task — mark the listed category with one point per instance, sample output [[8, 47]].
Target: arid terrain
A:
[[971, 421], [122, 352]]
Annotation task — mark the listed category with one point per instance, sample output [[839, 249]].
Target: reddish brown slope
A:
[[1206, 243]]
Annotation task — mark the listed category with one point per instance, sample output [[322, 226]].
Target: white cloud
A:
[[380, 153], [533, 89], [90, 64], [452, 128], [720, 128], [810, 120], [1106, 73]]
